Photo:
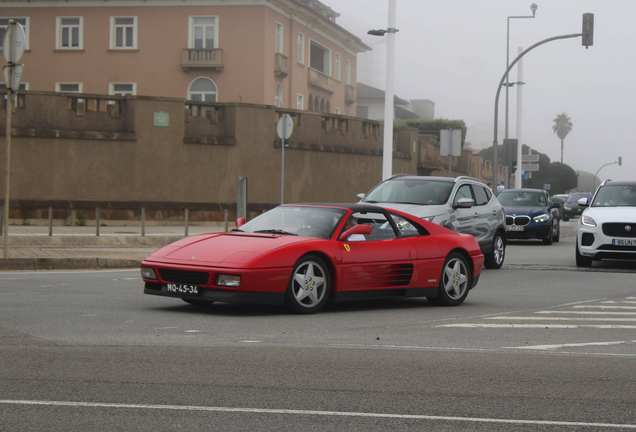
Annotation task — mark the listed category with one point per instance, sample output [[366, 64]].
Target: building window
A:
[[202, 89], [320, 58], [68, 87], [279, 38], [69, 33], [337, 66], [278, 101], [4, 22], [122, 89], [203, 32], [123, 32], [348, 73], [300, 102], [301, 48]]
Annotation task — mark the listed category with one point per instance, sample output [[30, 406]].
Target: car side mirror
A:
[[583, 202], [360, 196], [240, 222], [465, 203], [358, 229]]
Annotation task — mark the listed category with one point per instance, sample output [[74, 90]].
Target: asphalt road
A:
[[538, 346]]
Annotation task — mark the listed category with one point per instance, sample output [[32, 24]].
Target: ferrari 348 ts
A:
[[304, 255]]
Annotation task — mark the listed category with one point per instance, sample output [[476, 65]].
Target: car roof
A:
[[354, 207], [433, 178], [619, 183], [523, 190]]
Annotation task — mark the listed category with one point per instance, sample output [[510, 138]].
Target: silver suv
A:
[[463, 204]]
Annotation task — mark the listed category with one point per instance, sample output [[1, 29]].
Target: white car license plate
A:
[[624, 242], [514, 228], [182, 288]]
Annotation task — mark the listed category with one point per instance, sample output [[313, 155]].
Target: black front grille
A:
[[184, 277], [517, 220], [620, 229]]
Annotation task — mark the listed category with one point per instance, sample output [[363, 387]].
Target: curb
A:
[[67, 263]]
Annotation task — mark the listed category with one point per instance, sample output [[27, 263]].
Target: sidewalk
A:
[[78, 247]]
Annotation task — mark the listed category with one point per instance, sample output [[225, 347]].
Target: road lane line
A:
[[605, 307], [586, 313], [531, 318], [315, 413], [553, 347], [552, 326]]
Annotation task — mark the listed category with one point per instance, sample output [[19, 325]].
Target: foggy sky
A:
[[454, 53]]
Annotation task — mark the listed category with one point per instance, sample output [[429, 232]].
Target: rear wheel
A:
[[309, 286], [495, 259], [582, 261], [454, 282]]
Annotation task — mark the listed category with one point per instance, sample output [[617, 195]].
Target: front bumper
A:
[[593, 243], [530, 231]]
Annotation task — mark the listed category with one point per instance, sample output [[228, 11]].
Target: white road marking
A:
[[88, 315], [164, 328], [192, 331], [552, 326], [553, 347], [315, 413], [559, 318], [605, 307], [586, 313]]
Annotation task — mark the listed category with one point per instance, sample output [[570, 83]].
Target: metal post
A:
[[143, 221], [387, 146], [186, 223], [5, 231], [97, 221], [227, 228], [50, 221], [282, 170], [520, 83]]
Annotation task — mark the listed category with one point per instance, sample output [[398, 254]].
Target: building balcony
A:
[[350, 94], [281, 65], [321, 80], [202, 58]]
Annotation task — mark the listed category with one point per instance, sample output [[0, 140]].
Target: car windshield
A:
[[615, 196], [574, 198], [318, 222], [411, 191], [521, 199]]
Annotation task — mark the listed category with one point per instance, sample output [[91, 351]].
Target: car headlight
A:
[[148, 273], [231, 281], [541, 218], [587, 221]]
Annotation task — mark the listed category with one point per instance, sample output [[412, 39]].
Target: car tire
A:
[[309, 286], [557, 236], [198, 303], [550, 238], [454, 282], [582, 261], [495, 259]]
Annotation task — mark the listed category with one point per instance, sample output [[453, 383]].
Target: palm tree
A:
[[562, 127]]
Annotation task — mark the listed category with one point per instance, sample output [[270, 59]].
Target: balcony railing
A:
[[321, 80], [202, 58], [350, 94], [281, 65]]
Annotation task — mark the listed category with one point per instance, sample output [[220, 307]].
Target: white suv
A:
[[463, 204], [607, 227]]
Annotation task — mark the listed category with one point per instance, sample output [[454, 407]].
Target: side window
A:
[[407, 229], [481, 197], [462, 192]]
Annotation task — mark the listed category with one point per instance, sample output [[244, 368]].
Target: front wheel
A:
[[581, 261], [548, 241], [309, 286], [454, 282], [495, 259], [557, 234]]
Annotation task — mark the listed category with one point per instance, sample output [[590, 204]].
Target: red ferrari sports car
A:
[[304, 255]]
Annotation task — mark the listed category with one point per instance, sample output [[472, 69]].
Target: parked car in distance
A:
[[530, 214], [607, 227], [463, 204], [304, 255], [572, 208]]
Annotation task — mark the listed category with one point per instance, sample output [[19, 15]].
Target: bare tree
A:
[[562, 127]]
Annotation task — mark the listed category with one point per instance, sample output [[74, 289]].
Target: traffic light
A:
[[588, 29], [510, 151]]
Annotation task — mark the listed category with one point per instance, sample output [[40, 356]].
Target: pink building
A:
[[288, 53]]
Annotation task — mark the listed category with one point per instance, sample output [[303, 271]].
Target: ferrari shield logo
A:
[[347, 247]]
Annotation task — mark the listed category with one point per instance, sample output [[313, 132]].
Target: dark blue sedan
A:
[[530, 214]]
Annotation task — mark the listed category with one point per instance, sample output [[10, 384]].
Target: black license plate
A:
[[182, 289]]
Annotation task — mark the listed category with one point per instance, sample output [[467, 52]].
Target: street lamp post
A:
[[619, 162], [587, 34], [533, 8], [387, 146]]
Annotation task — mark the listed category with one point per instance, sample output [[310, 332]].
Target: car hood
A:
[[418, 210], [611, 214], [525, 211], [233, 249]]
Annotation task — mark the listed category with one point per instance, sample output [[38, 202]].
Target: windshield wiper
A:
[[275, 231]]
